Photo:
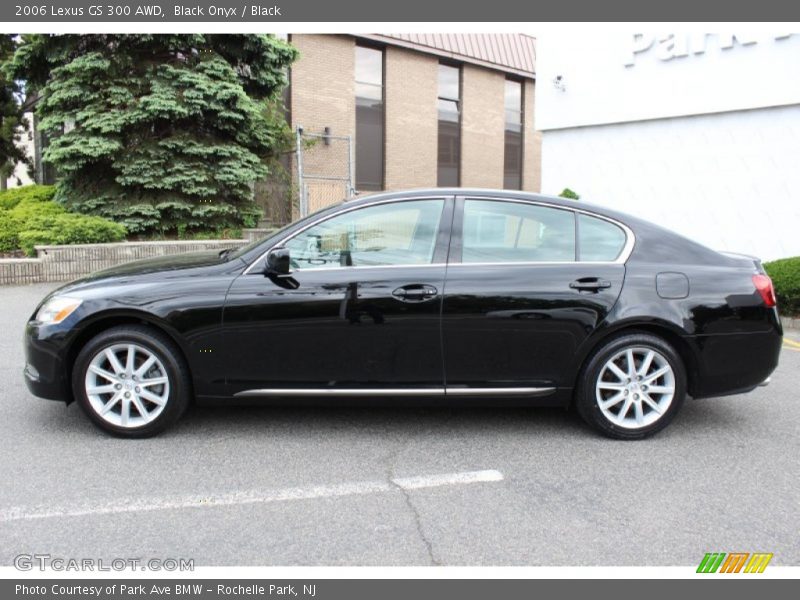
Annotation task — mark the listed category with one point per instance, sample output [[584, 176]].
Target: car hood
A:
[[158, 269], [159, 264]]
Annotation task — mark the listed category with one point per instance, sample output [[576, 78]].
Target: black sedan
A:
[[444, 293]]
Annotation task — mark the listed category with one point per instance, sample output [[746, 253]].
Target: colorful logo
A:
[[734, 562]]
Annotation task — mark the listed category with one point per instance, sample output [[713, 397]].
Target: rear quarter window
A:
[[599, 240]]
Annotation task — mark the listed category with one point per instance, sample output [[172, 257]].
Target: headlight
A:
[[57, 309]]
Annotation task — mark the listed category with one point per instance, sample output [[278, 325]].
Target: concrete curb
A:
[[62, 263], [791, 322]]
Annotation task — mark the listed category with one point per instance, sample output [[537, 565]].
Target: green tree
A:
[[569, 194], [157, 131], [13, 125]]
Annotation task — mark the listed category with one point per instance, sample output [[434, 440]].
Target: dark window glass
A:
[[449, 105], [496, 231], [512, 163], [369, 119], [599, 239], [400, 233]]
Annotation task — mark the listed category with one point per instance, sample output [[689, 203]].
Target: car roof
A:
[[493, 193]]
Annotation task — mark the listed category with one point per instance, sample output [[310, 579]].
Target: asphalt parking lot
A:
[[395, 486]]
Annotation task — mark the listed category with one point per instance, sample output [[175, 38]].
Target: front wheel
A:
[[632, 387], [131, 381]]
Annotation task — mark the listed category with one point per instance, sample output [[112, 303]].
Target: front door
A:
[[361, 310], [521, 295]]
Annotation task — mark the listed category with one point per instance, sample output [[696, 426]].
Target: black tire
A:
[[161, 346], [586, 391]]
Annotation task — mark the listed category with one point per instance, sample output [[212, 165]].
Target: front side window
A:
[[369, 118], [400, 233], [600, 240], [497, 231]]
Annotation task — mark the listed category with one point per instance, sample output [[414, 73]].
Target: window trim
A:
[[441, 243], [449, 238], [457, 240]]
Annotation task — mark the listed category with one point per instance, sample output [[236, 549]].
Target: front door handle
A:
[[590, 284], [415, 292]]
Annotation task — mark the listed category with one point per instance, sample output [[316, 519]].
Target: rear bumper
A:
[[734, 363]]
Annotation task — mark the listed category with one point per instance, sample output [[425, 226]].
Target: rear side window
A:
[[600, 240], [497, 231]]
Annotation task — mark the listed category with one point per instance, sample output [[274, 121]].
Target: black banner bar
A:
[[342, 11], [391, 589]]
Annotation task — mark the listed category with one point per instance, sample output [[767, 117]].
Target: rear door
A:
[[527, 283]]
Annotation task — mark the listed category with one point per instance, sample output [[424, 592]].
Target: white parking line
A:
[[130, 505], [429, 481]]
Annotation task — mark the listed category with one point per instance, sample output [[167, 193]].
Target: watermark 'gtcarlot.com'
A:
[[43, 562]]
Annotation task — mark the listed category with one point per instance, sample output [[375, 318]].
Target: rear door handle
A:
[[415, 292], [590, 284]]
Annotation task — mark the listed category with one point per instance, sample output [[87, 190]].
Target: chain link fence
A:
[[318, 172], [324, 164]]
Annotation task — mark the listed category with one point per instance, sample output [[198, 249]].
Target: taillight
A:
[[765, 288]]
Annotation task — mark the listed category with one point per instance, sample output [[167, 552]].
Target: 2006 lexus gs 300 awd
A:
[[496, 296]]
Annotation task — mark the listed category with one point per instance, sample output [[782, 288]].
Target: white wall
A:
[[606, 81], [707, 144], [728, 180]]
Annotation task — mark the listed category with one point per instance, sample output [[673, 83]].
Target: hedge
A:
[[29, 194], [69, 228], [29, 217], [10, 227], [785, 274]]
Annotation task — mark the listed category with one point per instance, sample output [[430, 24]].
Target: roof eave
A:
[[392, 41]]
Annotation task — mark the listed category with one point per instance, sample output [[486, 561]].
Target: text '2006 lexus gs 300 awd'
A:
[[491, 295]]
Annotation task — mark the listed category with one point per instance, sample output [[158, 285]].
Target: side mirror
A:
[[278, 263]]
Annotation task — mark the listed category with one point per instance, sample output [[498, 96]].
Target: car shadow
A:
[[319, 417], [397, 420]]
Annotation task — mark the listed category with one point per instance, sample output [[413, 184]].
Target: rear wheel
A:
[[131, 381], [632, 387]]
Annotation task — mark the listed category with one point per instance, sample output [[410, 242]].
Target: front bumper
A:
[[45, 370]]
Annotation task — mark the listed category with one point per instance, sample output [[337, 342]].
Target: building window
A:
[[449, 155], [512, 163], [369, 118]]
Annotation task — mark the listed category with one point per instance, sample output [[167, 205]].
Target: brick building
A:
[[423, 110]]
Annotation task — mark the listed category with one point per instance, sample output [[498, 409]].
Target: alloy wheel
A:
[[635, 387], [127, 385]]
